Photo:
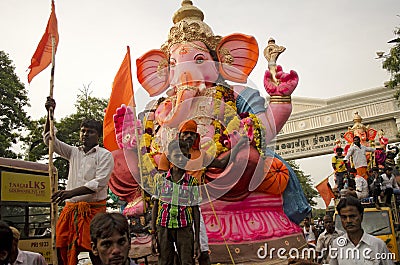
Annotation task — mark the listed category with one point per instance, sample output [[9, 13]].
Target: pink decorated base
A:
[[258, 217]]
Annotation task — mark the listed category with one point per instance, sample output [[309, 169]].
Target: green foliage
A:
[[13, 98], [305, 182], [90, 107], [392, 65], [317, 213], [35, 147]]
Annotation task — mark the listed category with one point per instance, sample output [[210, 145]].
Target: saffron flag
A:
[[122, 93], [43, 54], [325, 190]]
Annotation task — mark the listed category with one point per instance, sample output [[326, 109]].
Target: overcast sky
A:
[[331, 44]]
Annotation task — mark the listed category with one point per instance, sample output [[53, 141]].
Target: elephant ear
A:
[[237, 54], [348, 136], [153, 72]]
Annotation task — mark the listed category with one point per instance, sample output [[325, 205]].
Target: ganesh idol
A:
[[256, 199]]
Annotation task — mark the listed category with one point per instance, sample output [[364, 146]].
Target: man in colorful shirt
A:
[[199, 160], [175, 210]]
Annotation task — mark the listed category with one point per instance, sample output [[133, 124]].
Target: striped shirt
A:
[[175, 200]]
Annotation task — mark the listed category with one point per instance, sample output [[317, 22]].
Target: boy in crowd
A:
[[175, 211]]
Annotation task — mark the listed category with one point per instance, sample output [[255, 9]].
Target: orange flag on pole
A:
[[43, 54], [325, 190], [122, 93]]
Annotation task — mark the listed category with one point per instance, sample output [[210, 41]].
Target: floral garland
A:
[[148, 164], [224, 94], [259, 134], [250, 123], [218, 138]]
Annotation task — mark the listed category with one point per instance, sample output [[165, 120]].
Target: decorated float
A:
[[256, 202], [384, 154]]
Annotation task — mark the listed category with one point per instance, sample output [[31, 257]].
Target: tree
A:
[[305, 182], [13, 118], [392, 64]]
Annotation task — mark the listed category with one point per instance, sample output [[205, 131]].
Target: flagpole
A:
[[326, 178], [52, 170], [137, 136]]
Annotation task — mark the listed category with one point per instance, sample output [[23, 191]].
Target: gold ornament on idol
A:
[[189, 27], [271, 53]]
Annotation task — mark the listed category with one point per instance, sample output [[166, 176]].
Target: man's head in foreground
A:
[[6, 239], [109, 233], [351, 214]]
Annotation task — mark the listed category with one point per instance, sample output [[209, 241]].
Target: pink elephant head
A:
[[192, 59], [191, 63]]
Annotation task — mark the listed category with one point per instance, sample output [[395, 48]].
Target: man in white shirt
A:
[[389, 184], [21, 257], [361, 190], [356, 246], [358, 152], [310, 233], [326, 238], [90, 167]]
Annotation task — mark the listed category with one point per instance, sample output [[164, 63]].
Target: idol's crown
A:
[[188, 27]]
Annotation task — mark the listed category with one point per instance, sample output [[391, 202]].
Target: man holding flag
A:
[[90, 165], [41, 59], [86, 192]]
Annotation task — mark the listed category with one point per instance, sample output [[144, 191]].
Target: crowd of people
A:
[[356, 183], [380, 182], [176, 220], [332, 246], [177, 227]]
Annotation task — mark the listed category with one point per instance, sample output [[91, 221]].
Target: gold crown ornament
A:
[[189, 27]]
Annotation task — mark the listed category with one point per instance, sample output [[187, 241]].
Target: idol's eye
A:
[[172, 62], [199, 58]]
